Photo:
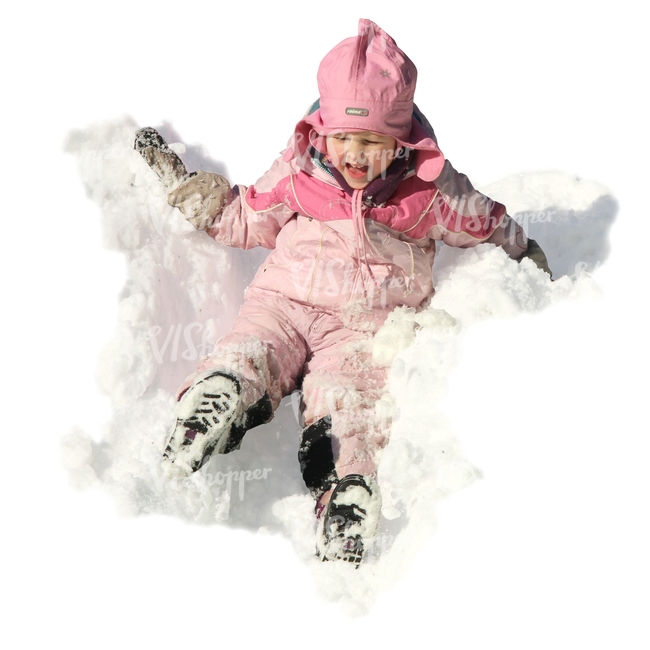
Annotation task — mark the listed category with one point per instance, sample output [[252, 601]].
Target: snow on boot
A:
[[205, 416], [351, 519], [158, 155]]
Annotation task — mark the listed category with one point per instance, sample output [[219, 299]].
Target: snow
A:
[[515, 515]]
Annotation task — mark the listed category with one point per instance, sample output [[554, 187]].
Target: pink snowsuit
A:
[[339, 266], [341, 261]]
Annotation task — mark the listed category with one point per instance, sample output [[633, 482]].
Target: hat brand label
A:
[[360, 112]]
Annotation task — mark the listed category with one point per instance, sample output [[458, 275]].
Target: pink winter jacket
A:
[[340, 253]]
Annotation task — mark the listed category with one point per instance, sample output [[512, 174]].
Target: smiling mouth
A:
[[356, 172]]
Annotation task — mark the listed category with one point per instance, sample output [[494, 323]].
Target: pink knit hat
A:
[[367, 83]]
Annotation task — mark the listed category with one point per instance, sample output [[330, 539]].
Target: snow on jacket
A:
[[342, 252]]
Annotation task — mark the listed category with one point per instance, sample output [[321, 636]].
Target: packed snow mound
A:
[[183, 292], [568, 216]]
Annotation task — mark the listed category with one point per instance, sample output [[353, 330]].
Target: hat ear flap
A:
[[318, 141]]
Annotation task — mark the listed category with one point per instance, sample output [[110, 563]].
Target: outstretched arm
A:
[[235, 216], [465, 217]]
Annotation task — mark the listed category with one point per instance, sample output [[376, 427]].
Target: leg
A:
[[238, 387], [317, 460], [341, 391], [342, 442]]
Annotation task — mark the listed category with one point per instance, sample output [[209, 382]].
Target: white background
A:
[[549, 550]]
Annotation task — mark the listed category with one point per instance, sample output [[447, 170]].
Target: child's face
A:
[[360, 157]]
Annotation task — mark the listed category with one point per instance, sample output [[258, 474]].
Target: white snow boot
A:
[[210, 418], [350, 521]]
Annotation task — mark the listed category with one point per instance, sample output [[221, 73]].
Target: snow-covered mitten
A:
[[535, 253], [210, 418], [351, 519], [201, 198], [168, 166]]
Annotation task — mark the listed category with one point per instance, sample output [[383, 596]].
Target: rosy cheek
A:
[[339, 155]]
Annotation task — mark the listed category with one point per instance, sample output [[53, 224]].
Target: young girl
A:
[[352, 211]]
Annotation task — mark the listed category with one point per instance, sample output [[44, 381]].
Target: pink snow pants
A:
[[277, 345]]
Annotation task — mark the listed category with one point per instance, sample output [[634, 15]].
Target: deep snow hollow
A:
[[182, 293]]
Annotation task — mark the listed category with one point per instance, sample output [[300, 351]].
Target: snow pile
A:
[[182, 294], [568, 216]]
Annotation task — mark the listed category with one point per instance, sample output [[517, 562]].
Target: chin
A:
[[356, 183]]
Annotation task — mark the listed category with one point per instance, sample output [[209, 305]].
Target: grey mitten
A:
[[200, 196], [168, 166], [536, 254]]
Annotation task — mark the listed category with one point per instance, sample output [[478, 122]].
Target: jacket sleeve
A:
[[254, 215], [464, 217]]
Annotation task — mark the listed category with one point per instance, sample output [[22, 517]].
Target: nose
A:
[[355, 153]]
